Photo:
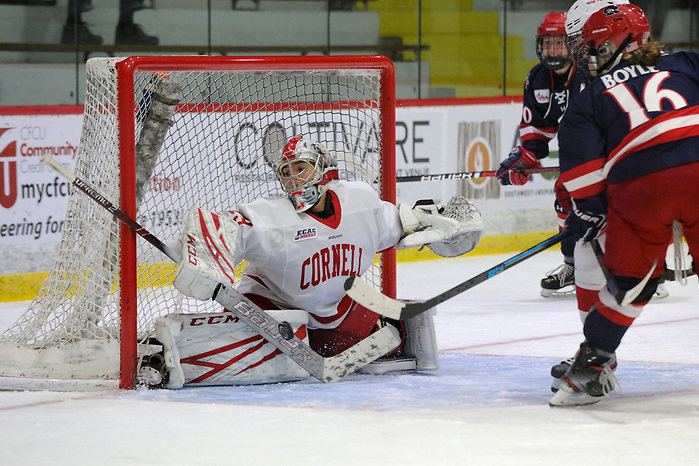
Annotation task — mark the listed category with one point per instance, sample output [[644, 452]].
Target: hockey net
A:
[[162, 134]]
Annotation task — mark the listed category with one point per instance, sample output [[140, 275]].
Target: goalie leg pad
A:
[[419, 350], [421, 340], [218, 349]]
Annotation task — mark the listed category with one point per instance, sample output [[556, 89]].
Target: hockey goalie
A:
[[300, 249]]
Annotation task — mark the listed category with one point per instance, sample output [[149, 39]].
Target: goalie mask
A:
[[550, 42], [304, 169], [610, 33]]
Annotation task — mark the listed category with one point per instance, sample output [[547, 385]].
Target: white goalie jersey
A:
[[302, 262]]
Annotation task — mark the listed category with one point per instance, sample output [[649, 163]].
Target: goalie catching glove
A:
[[208, 246], [448, 231]]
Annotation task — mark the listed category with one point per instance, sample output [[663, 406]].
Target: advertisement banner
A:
[[466, 138], [33, 197], [432, 137]]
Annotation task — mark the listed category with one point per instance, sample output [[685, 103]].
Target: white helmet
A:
[[304, 190], [578, 14]]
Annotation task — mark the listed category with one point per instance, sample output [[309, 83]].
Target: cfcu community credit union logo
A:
[[479, 157], [8, 171]]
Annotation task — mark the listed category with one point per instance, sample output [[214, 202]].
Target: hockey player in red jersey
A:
[[548, 89], [629, 148], [300, 249]]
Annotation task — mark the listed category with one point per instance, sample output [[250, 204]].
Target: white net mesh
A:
[[202, 138]]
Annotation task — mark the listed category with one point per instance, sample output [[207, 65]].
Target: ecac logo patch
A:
[[306, 233]]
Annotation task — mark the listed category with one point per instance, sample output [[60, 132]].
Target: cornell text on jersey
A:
[[340, 260]]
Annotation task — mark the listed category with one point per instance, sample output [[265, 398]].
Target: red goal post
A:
[[161, 134]]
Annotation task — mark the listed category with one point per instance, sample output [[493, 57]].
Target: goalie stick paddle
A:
[[374, 300], [328, 369], [466, 175]]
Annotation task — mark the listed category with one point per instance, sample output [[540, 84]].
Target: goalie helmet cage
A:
[[159, 135]]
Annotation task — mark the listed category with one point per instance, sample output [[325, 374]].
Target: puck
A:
[[286, 331]]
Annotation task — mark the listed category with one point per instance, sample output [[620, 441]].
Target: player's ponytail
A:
[[648, 54]]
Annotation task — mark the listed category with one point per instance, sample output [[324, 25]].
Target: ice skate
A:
[[588, 380], [152, 371], [559, 370], [559, 282], [660, 292]]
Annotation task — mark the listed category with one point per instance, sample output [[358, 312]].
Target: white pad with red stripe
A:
[[219, 349], [208, 245]]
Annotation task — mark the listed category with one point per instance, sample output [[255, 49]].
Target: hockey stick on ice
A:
[[466, 175], [374, 300], [621, 297], [324, 369]]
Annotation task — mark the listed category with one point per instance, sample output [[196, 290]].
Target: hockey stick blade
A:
[[324, 369], [622, 298], [374, 300], [467, 175]]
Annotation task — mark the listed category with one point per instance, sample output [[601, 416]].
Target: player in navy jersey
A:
[[549, 87], [629, 148]]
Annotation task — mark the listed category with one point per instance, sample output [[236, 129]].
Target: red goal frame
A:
[[127, 165]]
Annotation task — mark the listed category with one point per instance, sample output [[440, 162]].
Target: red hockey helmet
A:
[[550, 41], [613, 31], [576, 17], [553, 24]]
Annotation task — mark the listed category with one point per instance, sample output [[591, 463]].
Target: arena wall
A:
[[432, 137]]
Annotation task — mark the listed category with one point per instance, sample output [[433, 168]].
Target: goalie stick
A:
[[328, 369], [376, 301], [466, 175]]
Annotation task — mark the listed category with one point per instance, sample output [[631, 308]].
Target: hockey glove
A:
[[510, 169], [208, 249], [563, 198], [430, 224], [585, 225]]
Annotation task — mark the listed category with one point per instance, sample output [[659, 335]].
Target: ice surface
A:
[[486, 405]]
